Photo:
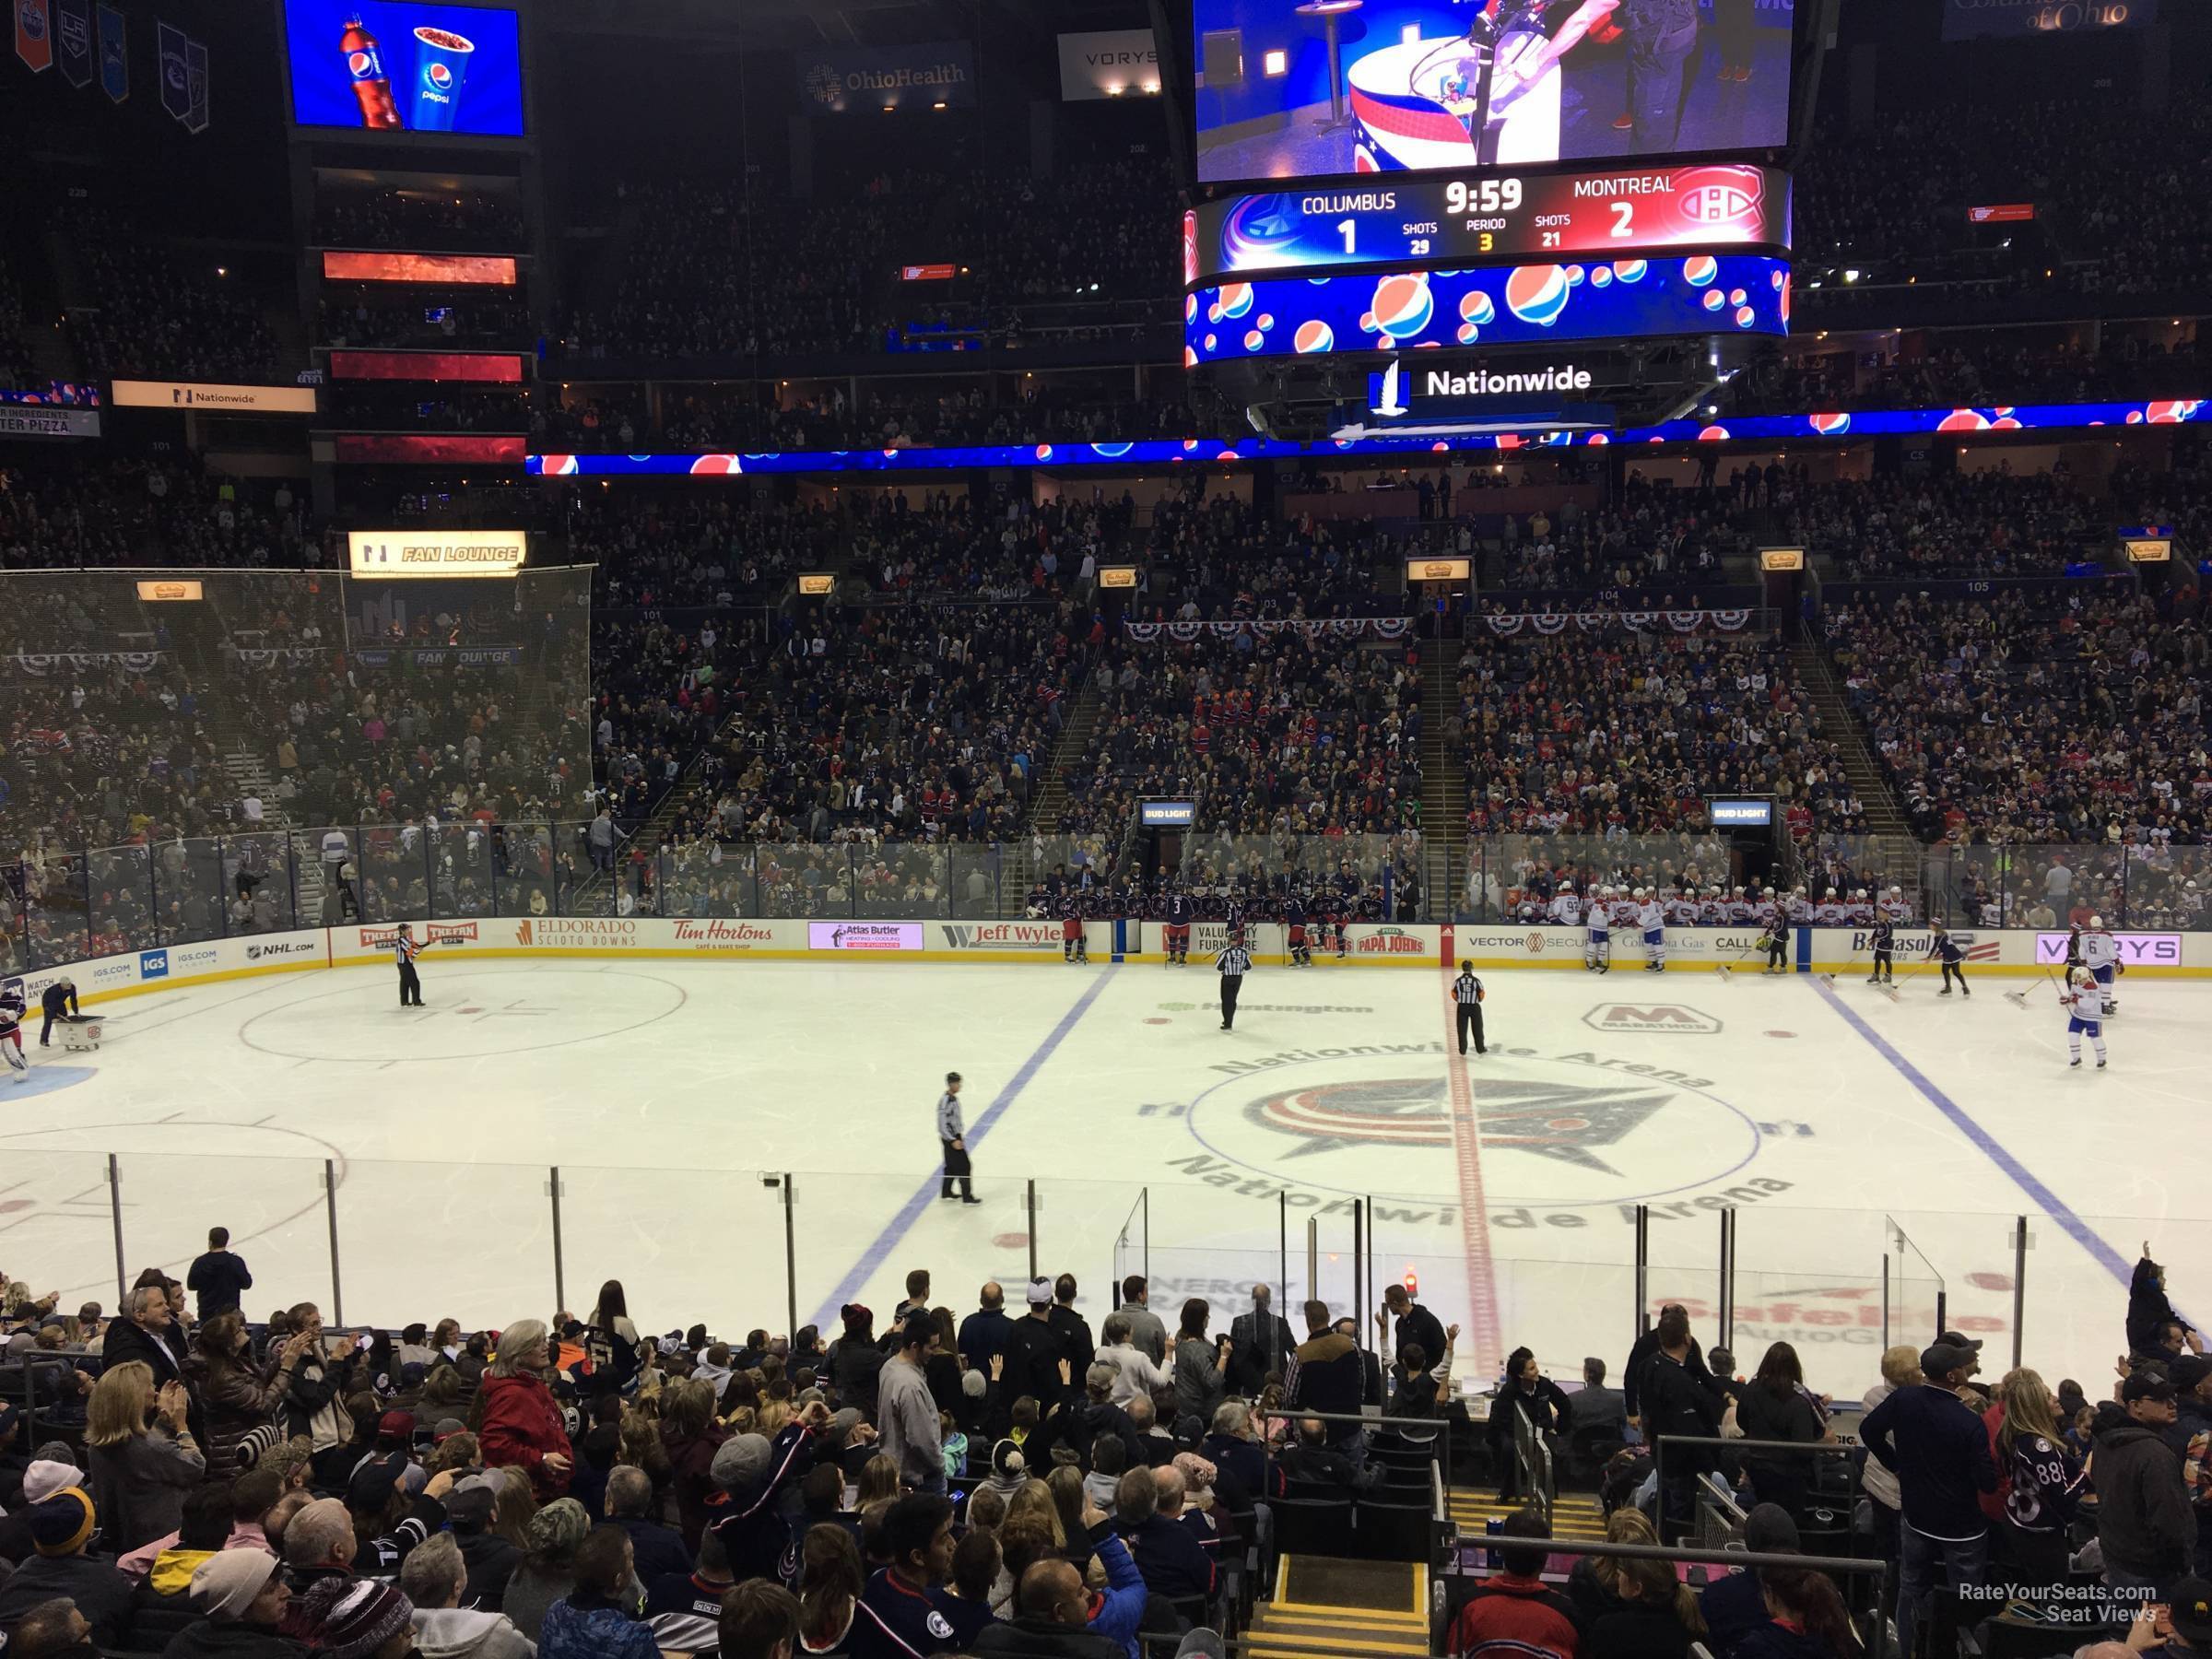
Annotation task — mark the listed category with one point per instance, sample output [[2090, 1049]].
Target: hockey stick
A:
[[1727, 969], [2018, 999]]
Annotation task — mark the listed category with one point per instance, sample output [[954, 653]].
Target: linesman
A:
[[1233, 962], [1466, 990], [952, 1138], [404, 951]]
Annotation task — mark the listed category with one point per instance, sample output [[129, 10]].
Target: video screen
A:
[[392, 65], [1298, 89]]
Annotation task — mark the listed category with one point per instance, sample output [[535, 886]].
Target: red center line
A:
[[1474, 1209]]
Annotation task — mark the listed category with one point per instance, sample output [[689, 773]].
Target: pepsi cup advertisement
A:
[[392, 67], [1311, 88]]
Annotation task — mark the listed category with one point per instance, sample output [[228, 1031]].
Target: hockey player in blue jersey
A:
[[2083, 1001]]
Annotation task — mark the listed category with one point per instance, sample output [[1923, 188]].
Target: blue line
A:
[[887, 1239], [2045, 1199]]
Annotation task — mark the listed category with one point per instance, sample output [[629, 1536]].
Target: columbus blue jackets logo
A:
[[1563, 1122]]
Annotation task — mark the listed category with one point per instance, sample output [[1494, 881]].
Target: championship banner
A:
[[73, 32], [195, 83], [114, 54], [176, 88], [34, 38]]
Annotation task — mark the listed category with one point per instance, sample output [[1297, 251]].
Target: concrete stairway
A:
[[1901, 854], [1444, 783], [1051, 798], [1341, 1610]]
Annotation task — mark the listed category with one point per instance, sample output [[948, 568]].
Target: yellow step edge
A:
[[1417, 1607], [1391, 1618], [1264, 1642]]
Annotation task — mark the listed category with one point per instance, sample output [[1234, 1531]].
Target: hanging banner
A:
[[114, 56], [34, 38], [73, 37], [176, 91], [1507, 624], [195, 85]]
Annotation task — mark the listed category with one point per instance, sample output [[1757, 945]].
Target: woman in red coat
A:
[[522, 1422]]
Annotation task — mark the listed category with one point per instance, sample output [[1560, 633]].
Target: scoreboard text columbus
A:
[[1495, 217]]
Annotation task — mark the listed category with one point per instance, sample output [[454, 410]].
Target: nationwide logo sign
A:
[[1565, 1123]]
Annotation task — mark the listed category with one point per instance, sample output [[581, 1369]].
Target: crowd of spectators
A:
[[147, 511], [1893, 196], [2036, 714], [197, 1483], [433, 317], [1977, 372], [365, 406], [408, 218], [1963, 523], [145, 311], [1618, 732]]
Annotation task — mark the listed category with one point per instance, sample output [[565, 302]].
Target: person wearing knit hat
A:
[[243, 1596], [359, 1619], [548, 1571], [62, 1527], [753, 1474]]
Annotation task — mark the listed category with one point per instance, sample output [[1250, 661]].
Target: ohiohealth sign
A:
[[875, 77]]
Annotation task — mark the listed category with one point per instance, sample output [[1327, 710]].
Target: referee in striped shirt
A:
[[1466, 990], [1233, 962], [952, 1138], [404, 951]]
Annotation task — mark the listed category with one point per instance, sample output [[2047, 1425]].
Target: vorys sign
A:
[[1108, 63], [2136, 949]]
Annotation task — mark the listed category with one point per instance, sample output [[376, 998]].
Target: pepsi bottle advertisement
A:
[[1313, 88], [389, 67]]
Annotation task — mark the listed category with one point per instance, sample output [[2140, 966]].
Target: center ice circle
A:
[[470, 1012]]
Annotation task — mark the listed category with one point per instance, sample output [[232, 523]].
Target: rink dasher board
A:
[[2005, 953]]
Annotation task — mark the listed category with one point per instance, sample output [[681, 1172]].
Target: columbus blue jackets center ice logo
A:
[[1574, 1127], [1551, 1120]]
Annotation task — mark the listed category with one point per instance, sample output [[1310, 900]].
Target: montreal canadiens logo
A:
[[440, 77], [1720, 196]]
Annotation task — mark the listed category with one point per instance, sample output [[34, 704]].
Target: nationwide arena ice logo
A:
[[1563, 1122]]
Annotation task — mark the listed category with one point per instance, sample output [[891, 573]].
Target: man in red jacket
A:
[[1517, 1606]]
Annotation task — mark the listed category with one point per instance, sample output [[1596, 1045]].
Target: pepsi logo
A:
[[360, 65], [438, 77]]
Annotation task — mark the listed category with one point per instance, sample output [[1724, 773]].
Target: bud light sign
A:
[[380, 66]]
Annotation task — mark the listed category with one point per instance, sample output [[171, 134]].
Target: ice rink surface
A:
[[1875, 1153]]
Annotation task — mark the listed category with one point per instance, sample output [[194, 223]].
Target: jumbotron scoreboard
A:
[[1347, 305]]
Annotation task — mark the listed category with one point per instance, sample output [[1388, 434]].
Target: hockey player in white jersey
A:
[[1895, 910], [1652, 921], [1742, 912], [1566, 909], [2101, 955], [1765, 912], [1681, 911], [1626, 907], [1597, 946], [1860, 911], [2082, 1001], [1798, 909], [1831, 911]]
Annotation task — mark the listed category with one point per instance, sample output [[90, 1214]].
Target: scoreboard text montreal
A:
[[1496, 218]]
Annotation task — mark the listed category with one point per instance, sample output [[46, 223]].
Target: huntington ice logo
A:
[[1559, 1120], [1571, 1127]]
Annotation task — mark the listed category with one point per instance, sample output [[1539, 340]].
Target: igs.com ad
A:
[[405, 68], [1287, 89]]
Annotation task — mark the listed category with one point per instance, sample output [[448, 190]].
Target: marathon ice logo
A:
[[1663, 1018], [153, 964]]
